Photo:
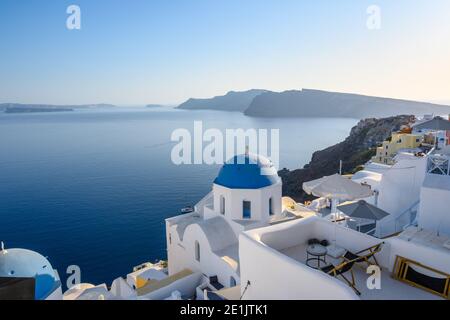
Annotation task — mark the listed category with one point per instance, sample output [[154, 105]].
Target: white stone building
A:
[[245, 195]]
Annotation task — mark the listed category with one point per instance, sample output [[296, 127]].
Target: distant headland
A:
[[34, 108], [312, 103]]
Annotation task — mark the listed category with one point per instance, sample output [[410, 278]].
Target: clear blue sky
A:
[[165, 51]]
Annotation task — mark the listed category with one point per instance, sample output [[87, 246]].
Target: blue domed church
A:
[[25, 274], [246, 194]]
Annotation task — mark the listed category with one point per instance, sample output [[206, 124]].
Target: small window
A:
[[271, 211], [232, 282], [222, 205], [247, 209], [197, 251], [170, 238]]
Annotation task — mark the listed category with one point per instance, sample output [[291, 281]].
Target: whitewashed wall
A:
[[186, 286], [438, 259], [275, 275], [434, 212], [259, 199], [400, 187], [182, 256]]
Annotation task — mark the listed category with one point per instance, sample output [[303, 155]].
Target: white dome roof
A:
[[247, 171], [23, 263]]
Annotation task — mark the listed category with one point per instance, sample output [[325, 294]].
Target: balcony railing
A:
[[438, 164], [397, 224]]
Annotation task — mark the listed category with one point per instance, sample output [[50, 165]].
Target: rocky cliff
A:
[[355, 150]]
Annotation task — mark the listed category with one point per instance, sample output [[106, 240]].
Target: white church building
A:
[[245, 195]]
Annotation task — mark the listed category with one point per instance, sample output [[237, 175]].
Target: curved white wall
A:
[[181, 255]]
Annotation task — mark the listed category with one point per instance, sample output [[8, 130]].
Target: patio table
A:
[[316, 253]]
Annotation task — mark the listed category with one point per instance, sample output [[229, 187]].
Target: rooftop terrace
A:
[[274, 260], [391, 289]]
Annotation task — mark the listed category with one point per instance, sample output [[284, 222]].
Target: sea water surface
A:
[[92, 188]]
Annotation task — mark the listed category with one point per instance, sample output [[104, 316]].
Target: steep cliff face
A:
[[355, 150]]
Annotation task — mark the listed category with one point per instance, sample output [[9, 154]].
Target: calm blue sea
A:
[[93, 188]]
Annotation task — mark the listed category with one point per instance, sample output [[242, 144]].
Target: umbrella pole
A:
[[334, 212], [436, 141]]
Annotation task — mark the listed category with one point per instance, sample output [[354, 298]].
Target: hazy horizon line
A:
[[444, 102]]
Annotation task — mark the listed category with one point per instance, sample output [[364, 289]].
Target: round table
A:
[[316, 253]]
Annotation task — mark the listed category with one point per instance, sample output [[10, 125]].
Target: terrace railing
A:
[[438, 164], [398, 224]]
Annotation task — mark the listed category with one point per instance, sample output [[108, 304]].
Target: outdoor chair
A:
[[369, 253], [340, 270]]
